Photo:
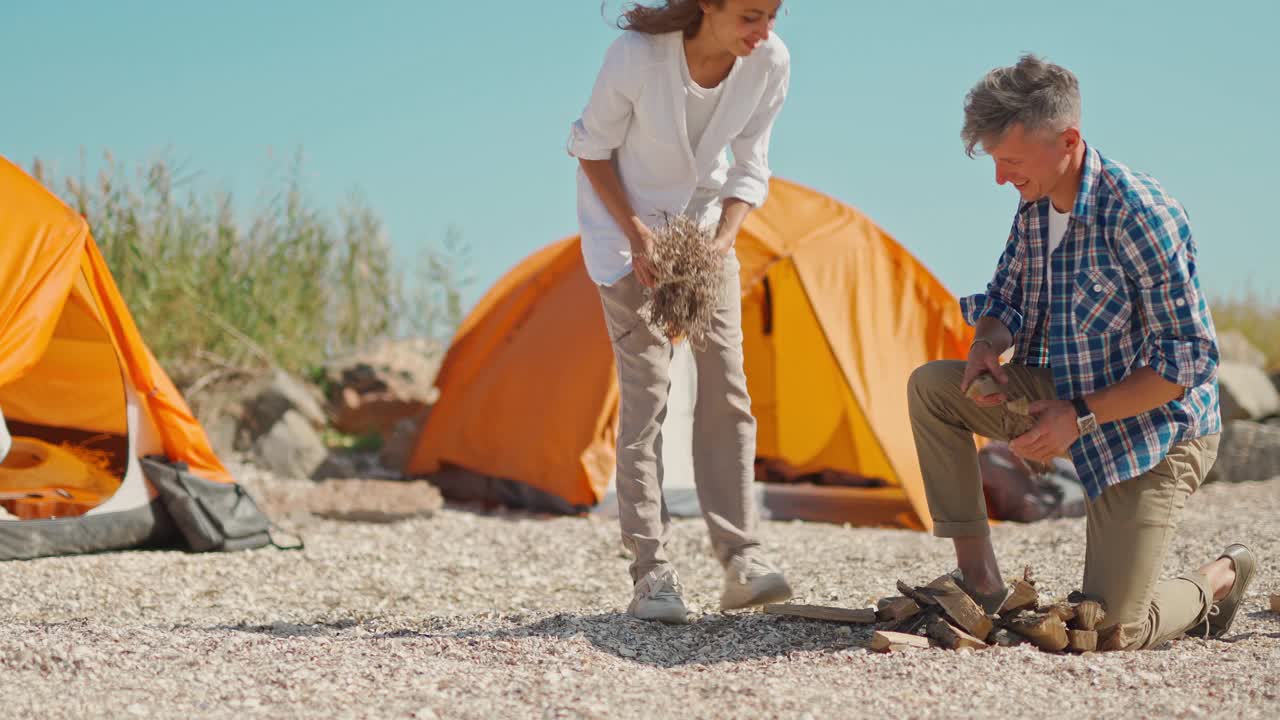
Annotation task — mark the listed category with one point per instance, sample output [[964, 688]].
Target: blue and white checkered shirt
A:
[[1124, 295]]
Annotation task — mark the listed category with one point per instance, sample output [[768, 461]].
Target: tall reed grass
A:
[[1256, 315], [285, 283]]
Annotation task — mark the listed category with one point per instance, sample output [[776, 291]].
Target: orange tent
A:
[[836, 315], [79, 390]]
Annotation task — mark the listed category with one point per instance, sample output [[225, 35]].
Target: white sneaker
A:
[[657, 597], [749, 581]]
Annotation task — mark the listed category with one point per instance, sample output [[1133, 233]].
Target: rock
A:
[[376, 412], [222, 430], [1247, 392], [219, 407], [1248, 451], [240, 408], [1234, 347], [373, 390], [291, 447], [276, 394], [399, 444], [337, 465], [342, 464], [377, 501]]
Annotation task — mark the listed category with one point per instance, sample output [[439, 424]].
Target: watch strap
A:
[[1082, 408]]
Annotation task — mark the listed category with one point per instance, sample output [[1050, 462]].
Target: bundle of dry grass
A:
[[687, 277]]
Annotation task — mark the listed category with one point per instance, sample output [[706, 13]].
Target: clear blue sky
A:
[[456, 113]]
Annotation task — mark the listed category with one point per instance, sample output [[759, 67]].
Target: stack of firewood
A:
[[941, 614]]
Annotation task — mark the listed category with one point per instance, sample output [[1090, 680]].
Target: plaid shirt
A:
[[1124, 295]]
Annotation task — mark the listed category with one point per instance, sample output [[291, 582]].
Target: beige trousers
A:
[[724, 430], [1129, 526]]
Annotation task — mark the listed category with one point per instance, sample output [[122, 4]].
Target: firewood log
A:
[[859, 616], [953, 638], [886, 641], [1046, 631]]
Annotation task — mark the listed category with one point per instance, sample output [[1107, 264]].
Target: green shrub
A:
[[286, 284]]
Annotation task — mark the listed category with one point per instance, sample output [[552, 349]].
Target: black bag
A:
[[211, 516]]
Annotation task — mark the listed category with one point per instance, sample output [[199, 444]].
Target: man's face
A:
[[1034, 163]]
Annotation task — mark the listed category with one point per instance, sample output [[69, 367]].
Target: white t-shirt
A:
[[700, 105], [1057, 228]]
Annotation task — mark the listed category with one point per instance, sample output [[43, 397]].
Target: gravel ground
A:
[[471, 615]]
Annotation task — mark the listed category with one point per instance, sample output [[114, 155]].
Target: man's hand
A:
[[641, 239], [1054, 432], [984, 359]]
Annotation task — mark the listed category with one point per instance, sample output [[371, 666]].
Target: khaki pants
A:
[[724, 429], [1129, 526]]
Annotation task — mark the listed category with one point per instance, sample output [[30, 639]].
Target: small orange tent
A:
[[77, 381], [836, 315]]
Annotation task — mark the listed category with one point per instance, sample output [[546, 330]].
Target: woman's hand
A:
[[723, 242], [732, 214], [641, 238]]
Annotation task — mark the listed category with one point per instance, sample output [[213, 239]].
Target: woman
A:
[[687, 79]]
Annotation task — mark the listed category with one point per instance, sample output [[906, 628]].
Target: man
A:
[[1097, 295]]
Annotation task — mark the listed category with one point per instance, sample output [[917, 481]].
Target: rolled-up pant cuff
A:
[[1206, 594], [969, 528]]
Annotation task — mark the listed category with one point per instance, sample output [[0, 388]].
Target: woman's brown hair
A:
[[670, 16]]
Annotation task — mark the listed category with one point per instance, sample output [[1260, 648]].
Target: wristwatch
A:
[[1086, 421]]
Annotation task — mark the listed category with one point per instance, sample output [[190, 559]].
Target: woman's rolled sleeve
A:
[[607, 116]]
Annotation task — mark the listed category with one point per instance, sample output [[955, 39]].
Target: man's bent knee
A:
[[933, 376]]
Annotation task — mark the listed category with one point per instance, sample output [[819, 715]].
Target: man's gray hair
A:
[[1035, 94]]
